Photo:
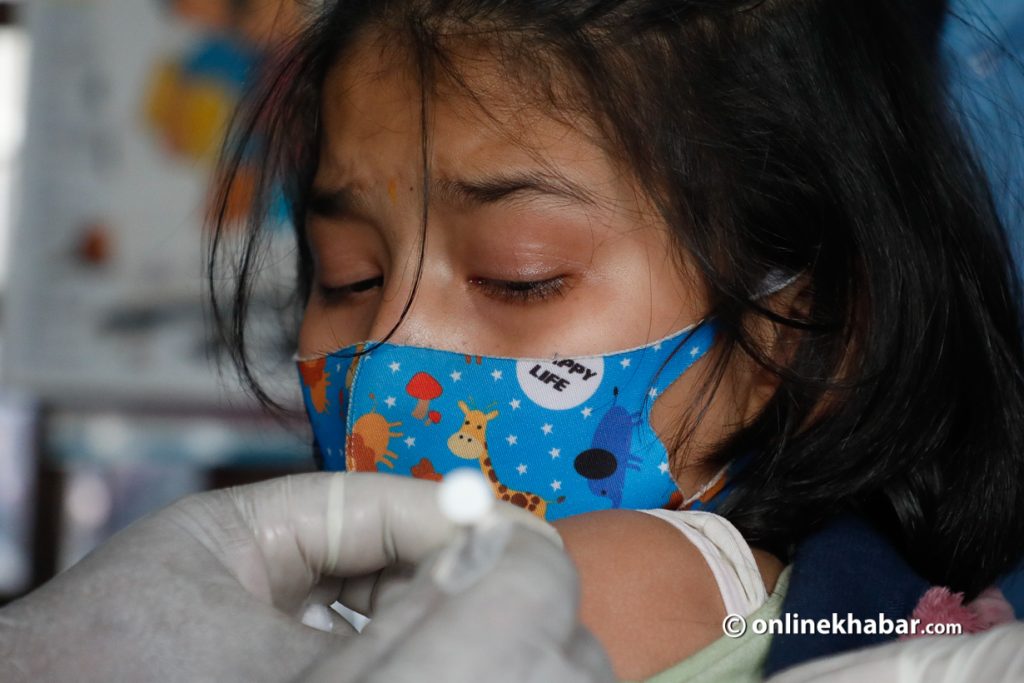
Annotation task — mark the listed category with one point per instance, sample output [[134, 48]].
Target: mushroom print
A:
[[424, 469], [424, 389]]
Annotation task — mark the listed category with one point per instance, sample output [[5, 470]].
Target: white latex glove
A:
[[211, 589], [995, 656]]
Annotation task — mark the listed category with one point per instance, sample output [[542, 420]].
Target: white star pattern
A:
[[653, 393], [657, 347], [663, 467], [496, 375], [624, 363], [514, 403], [546, 429], [390, 401], [555, 452], [456, 375], [586, 412], [556, 485], [410, 442], [337, 368], [694, 350], [521, 469], [368, 356], [395, 366], [512, 439]]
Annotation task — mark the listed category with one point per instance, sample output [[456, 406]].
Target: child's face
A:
[[529, 273], [611, 269]]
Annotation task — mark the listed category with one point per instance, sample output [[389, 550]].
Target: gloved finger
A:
[[358, 592], [404, 606], [345, 524], [324, 618], [529, 597], [547, 665], [588, 656], [385, 519], [581, 660], [517, 622], [553, 665], [317, 611], [361, 593], [324, 593]]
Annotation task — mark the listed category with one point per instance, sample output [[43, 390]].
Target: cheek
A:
[[324, 330], [675, 410], [311, 337]]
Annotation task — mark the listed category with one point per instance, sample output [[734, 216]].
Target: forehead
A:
[[372, 117]]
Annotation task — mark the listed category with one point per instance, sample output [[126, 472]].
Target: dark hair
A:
[[796, 135]]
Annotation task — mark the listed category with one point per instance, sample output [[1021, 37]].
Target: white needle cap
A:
[[464, 496]]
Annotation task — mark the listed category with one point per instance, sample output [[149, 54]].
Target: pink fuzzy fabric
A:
[[992, 607], [939, 606]]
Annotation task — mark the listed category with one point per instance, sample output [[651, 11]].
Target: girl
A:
[[524, 203]]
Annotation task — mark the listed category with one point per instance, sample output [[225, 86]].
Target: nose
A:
[[418, 301]]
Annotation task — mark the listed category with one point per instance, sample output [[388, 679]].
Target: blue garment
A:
[[845, 568]]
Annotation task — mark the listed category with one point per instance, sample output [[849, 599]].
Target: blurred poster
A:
[[128, 102]]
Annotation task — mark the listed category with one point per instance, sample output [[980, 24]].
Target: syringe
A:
[[466, 499]]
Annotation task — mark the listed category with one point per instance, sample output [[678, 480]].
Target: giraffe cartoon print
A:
[[559, 435], [470, 443]]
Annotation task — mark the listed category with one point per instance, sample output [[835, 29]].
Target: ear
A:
[[779, 342], [464, 407], [490, 416], [794, 302]]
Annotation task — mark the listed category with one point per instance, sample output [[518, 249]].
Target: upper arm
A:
[[646, 591]]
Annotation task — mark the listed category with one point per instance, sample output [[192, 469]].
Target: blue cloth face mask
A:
[[557, 436]]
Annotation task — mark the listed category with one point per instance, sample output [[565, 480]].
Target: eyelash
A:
[[510, 291], [520, 292], [342, 294]]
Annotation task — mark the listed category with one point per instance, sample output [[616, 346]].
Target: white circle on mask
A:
[[561, 383]]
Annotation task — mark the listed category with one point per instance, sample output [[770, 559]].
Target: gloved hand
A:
[[211, 588]]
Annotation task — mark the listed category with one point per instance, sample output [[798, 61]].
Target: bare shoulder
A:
[[646, 591]]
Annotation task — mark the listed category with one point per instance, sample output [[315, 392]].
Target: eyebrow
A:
[[337, 202], [345, 201], [504, 186]]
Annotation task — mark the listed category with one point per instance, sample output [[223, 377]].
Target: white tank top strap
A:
[[727, 554]]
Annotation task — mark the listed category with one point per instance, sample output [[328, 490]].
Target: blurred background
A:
[[111, 115]]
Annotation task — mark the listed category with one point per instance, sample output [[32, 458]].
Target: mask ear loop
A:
[[774, 282], [704, 489]]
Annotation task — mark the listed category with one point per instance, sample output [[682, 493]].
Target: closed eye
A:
[[347, 292], [522, 292]]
